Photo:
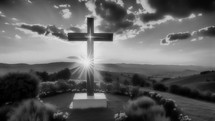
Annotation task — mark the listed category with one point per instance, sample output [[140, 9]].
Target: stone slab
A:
[[82, 101]]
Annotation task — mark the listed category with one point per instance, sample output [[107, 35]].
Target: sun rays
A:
[[83, 65]]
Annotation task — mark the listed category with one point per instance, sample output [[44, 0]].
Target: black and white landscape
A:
[[107, 60]]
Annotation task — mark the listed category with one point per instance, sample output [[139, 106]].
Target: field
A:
[[197, 110]]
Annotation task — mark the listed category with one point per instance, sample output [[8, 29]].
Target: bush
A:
[[33, 110], [160, 87], [174, 89], [185, 91], [62, 85], [144, 109], [5, 112], [17, 87], [134, 92], [195, 94]]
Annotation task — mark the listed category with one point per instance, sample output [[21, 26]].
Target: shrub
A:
[[108, 79], [144, 109], [185, 91], [60, 116], [134, 92], [62, 85], [116, 87], [160, 87], [123, 90], [33, 110], [109, 87], [169, 106], [174, 89], [18, 86], [195, 94], [5, 112]]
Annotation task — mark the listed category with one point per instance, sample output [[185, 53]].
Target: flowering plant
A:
[[60, 116], [184, 118], [120, 117]]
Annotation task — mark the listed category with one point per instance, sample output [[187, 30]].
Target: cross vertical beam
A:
[[90, 54]]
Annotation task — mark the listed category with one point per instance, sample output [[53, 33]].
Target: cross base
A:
[[82, 101]]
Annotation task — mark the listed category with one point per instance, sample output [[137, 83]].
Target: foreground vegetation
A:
[[25, 89]]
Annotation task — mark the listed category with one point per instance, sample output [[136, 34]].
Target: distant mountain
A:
[[154, 70], [148, 70], [49, 67]]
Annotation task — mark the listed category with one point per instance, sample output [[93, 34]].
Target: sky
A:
[[170, 32]]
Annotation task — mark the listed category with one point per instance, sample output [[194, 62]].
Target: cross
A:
[[90, 37]]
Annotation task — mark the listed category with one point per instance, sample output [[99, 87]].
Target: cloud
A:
[[174, 37], [46, 30], [34, 28], [75, 29], [55, 6], [64, 6], [73, 57], [14, 19], [207, 31], [66, 14], [57, 32], [2, 14], [114, 17], [18, 37], [195, 35], [176, 8], [29, 1]]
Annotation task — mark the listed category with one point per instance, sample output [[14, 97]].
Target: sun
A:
[[86, 62]]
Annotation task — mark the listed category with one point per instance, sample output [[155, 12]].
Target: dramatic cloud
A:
[[34, 28], [114, 16], [66, 14], [176, 8], [174, 37], [207, 31], [49, 30], [195, 35]]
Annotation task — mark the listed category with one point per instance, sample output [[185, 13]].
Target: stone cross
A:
[[90, 37]]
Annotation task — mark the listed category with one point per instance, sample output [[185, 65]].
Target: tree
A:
[[44, 76], [126, 82], [108, 79], [136, 80], [17, 87], [64, 74]]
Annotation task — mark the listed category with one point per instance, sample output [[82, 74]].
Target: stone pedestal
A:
[[82, 101]]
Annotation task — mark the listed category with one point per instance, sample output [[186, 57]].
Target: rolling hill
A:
[[204, 82]]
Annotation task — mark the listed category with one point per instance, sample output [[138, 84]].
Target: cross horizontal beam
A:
[[95, 36]]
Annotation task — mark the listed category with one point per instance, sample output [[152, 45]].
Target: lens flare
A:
[[86, 62]]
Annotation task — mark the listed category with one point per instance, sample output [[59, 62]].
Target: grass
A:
[[115, 105], [196, 109]]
